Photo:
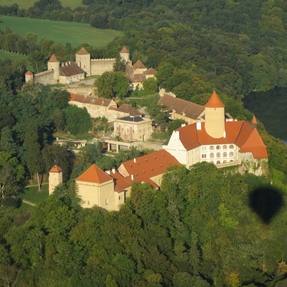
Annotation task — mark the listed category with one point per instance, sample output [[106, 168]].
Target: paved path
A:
[[29, 202]]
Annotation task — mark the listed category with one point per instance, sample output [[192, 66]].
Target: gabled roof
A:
[[181, 106], [55, 169], [240, 133], [53, 58], [214, 101], [139, 65], [128, 109], [138, 78], [94, 175], [145, 167], [70, 69], [124, 50], [121, 182], [82, 51]]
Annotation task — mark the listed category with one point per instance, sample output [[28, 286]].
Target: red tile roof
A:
[[124, 50], [145, 167], [90, 100], [214, 101], [82, 51], [70, 69], [150, 71], [240, 133], [94, 175], [55, 169], [181, 106], [29, 73], [139, 65], [121, 182], [128, 109], [53, 58]]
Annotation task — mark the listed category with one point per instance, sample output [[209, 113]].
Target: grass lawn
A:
[[60, 31], [33, 195], [28, 3]]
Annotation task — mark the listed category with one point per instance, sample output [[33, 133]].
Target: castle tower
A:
[[83, 60], [215, 117], [54, 64], [29, 77], [55, 178], [125, 55]]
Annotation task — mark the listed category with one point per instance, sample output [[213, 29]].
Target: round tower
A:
[[55, 178], [125, 54], [83, 60], [54, 65], [215, 117], [29, 77]]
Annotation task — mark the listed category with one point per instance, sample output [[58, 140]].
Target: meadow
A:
[[28, 3], [60, 31]]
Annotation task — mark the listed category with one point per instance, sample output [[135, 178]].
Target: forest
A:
[[205, 227]]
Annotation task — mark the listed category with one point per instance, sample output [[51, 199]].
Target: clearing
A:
[[32, 196], [60, 31]]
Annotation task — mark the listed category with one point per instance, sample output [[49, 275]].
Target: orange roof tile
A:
[[150, 165], [150, 71], [124, 50], [214, 101], [121, 182], [82, 51], [29, 73], [53, 58], [95, 175], [240, 133], [55, 169]]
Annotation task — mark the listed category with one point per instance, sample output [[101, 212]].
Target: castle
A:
[[71, 72], [84, 66], [219, 140]]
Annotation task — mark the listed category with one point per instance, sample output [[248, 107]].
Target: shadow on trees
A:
[[266, 202]]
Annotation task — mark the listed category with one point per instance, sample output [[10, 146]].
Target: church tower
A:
[[125, 55], [54, 64], [55, 178], [215, 117], [83, 60]]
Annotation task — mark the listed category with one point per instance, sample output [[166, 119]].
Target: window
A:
[[225, 154], [203, 155], [204, 148], [231, 146], [225, 146], [218, 147], [211, 147], [218, 162], [218, 154], [231, 154], [212, 155]]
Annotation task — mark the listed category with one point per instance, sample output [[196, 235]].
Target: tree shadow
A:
[[266, 202]]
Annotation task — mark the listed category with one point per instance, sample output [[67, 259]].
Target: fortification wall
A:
[[100, 66], [45, 78]]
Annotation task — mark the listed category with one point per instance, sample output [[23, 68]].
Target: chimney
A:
[[132, 177], [224, 134], [198, 125], [114, 170], [108, 171], [135, 160], [183, 125]]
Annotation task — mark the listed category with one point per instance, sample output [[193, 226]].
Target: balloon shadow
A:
[[266, 202]]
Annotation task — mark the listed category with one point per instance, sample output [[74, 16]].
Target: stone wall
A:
[[71, 79], [100, 66], [45, 78]]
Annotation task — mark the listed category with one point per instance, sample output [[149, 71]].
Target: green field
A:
[[32, 194], [12, 56], [29, 3], [60, 31]]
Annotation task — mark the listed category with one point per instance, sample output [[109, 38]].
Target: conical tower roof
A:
[[254, 120], [124, 50], [55, 169], [214, 101], [83, 51], [53, 58]]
